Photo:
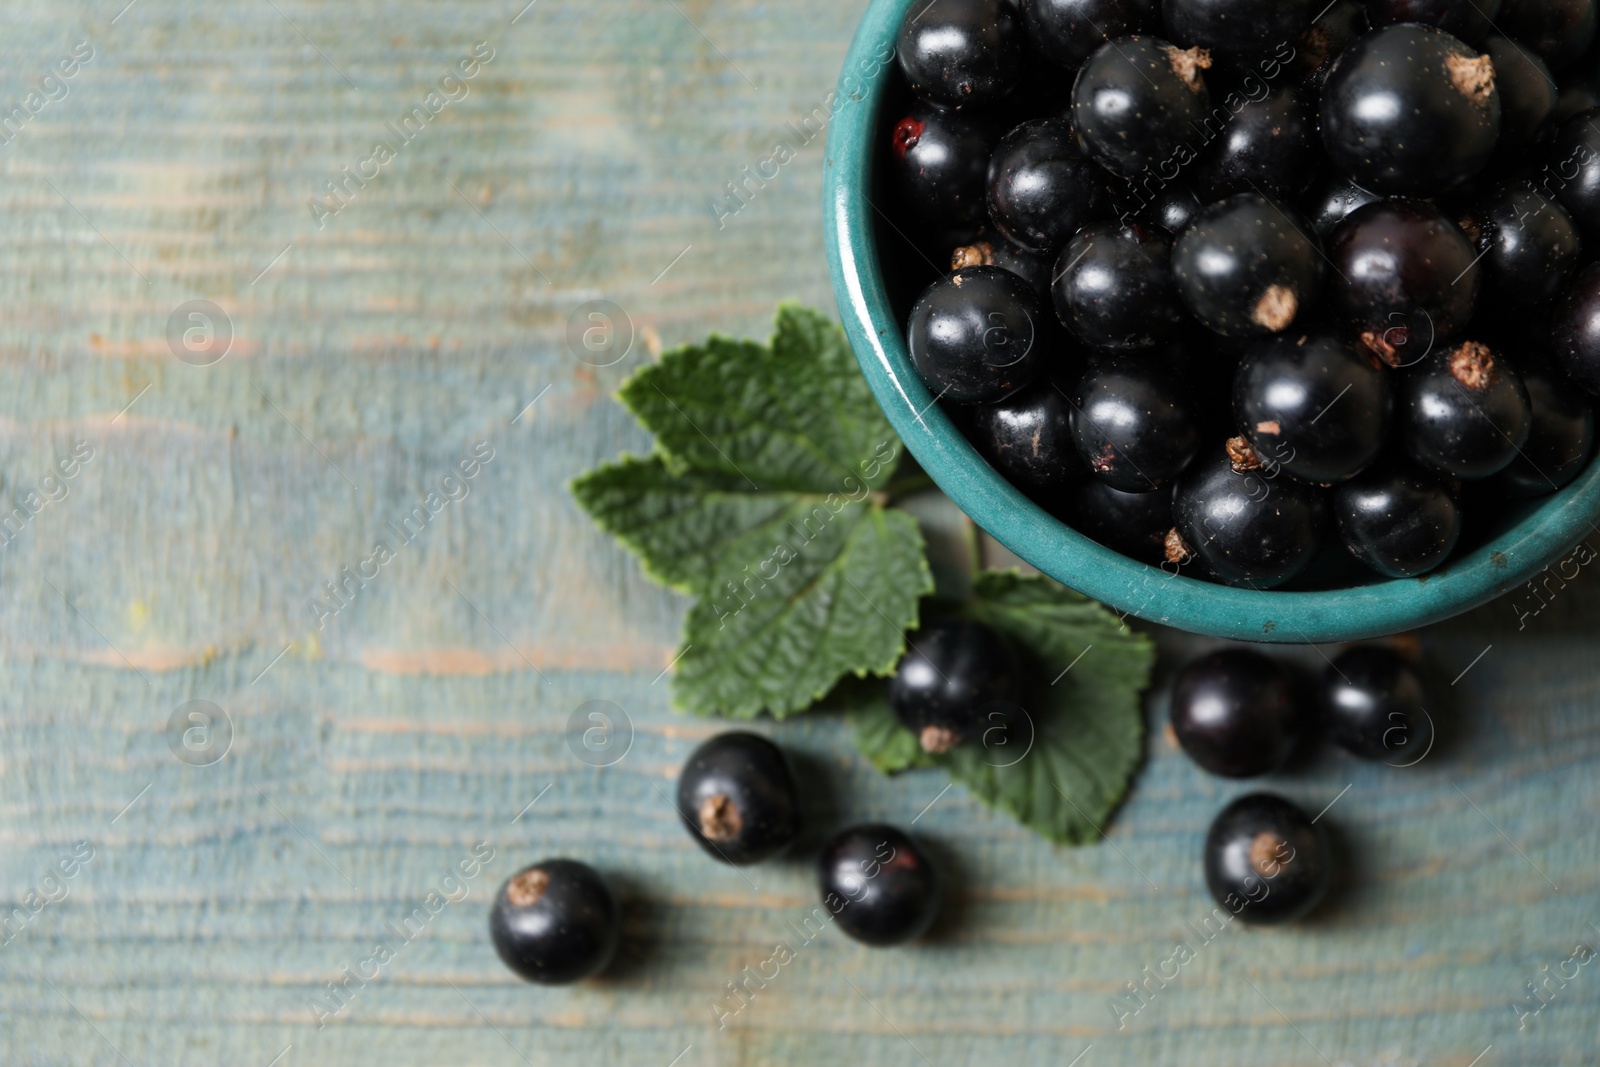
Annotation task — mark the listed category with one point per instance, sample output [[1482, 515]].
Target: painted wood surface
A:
[[374, 748]]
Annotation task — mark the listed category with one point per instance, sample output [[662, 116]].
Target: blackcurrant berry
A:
[[958, 52], [1270, 147], [1575, 330], [1236, 25], [738, 799], [1340, 25], [1138, 100], [1409, 110], [1266, 861], [1028, 439], [1067, 32], [1172, 207], [973, 337], [938, 166], [1235, 714], [1405, 276], [1247, 525], [1560, 442], [1313, 404], [1528, 242], [1399, 522], [1463, 411], [880, 887], [1559, 30], [1574, 175], [555, 922], [1113, 288], [984, 251], [1245, 266], [1528, 96], [1372, 706], [1471, 22], [1333, 198], [1042, 188], [1134, 422], [1135, 524], [1574, 100], [958, 680]]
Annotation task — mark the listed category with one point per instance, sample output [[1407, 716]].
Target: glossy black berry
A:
[[1529, 246], [1463, 411], [959, 52], [738, 799], [880, 887], [1313, 404], [1373, 706], [1172, 207], [1138, 100], [1559, 30], [1266, 861], [1028, 439], [1068, 32], [1269, 147], [1235, 714], [1560, 442], [1398, 521], [1575, 330], [1573, 174], [1135, 524], [1471, 21], [1113, 287], [1134, 421], [1042, 188], [1236, 25], [555, 922], [1340, 25], [1333, 198], [985, 251], [1251, 527], [972, 336], [1246, 267], [1409, 110], [1528, 95], [938, 166], [1404, 277], [958, 680]]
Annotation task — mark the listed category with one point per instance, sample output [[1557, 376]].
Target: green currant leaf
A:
[[1064, 776], [759, 502]]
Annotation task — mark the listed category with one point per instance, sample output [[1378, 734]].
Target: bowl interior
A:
[[862, 244]]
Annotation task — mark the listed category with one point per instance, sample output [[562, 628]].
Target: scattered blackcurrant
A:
[[1134, 422], [738, 799], [1372, 706], [1265, 860], [1528, 243], [880, 887], [958, 680], [1113, 287], [1028, 439], [1270, 147], [1248, 523], [939, 166], [1235, 714], [555, 922]]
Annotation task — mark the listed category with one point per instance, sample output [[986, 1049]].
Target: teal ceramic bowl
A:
[[1532, 537]]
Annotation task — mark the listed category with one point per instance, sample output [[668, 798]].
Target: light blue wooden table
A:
[[368, 343]]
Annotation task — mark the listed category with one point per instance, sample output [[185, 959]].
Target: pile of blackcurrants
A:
[[1239, 714], [1322, 273], [558, 921]]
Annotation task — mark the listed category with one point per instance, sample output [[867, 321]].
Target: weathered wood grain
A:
[[372, 754]]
